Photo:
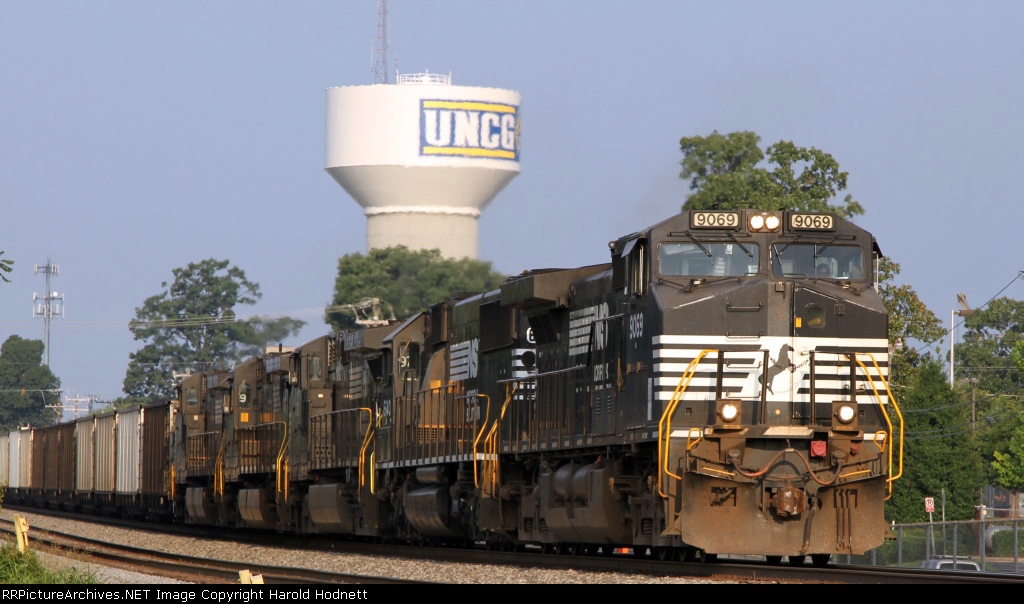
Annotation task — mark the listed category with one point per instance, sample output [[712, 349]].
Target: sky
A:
[[139, 137]]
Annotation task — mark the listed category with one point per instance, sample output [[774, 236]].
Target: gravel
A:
[[374, 566]]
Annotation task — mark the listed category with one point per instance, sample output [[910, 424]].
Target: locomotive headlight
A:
[[844, 414], [772, 222], [728, 412], [756, 222]]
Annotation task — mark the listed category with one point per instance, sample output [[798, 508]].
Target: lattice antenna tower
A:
[[380, 53], [50, 305]]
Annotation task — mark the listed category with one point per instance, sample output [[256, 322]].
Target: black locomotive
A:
[[718, 387]]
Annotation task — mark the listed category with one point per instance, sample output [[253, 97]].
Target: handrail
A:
[[279, 474], [476, 441], [367, 439], [889, 481], [666, 417], [491, 441], [218, 470]]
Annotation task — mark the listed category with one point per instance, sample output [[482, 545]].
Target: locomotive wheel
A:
[[665, 554], [797, 560], [710, 558], [774, 560], [820, 560], [639, 552]]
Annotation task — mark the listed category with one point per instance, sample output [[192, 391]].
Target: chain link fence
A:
[[994, 544]]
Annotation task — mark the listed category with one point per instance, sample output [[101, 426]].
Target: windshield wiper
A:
[[818, 252], [698, 244], [737, 242]]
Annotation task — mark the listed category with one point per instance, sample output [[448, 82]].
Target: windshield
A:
[[817, 260], [707, 259]]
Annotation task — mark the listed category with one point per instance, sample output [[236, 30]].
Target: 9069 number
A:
[[811, 222], [714, 220]]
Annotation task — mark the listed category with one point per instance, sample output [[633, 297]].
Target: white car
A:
[[950, 563]]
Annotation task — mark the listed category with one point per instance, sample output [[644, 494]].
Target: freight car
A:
[[718, 387]]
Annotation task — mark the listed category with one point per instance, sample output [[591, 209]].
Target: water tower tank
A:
[[423, 157]]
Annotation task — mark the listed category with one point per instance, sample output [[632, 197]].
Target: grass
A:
[[26, 569]]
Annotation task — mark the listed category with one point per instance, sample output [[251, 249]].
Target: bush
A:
[[1002, 544]]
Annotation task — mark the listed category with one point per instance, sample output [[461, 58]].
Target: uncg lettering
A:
[[469, 132]]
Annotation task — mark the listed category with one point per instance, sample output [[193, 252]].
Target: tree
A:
[[6, 265], [406, 280], [990, 336], [26, 385], [909, 319], [940, 449], [723, 173], [1009, 466], [192, 325]]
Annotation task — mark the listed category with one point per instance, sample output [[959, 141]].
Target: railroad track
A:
[[185, 568], [724, 570]]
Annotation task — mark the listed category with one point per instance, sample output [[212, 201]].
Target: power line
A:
[[1020, 275]]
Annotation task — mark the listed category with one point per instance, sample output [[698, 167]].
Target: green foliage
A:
[[723, 173], [21, 367], [940, 449], [1009, 466], [909, 319], [1002, 544], [192, 325], [991, 335], [26, 569], [408, 281], [6, 266], [991, 354]]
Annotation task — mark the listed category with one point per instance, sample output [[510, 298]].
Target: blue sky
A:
[[137, 137]]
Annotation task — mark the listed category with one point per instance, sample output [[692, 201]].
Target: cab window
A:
[[819, 261], [815, 316], [192, 399], [315, 368], [708, 259]]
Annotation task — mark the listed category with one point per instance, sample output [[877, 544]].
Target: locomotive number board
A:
[[811, 222], [714, 220]]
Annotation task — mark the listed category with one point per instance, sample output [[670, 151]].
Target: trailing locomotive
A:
[[718, 387]]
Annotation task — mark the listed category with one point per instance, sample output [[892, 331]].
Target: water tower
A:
[[423, 157]]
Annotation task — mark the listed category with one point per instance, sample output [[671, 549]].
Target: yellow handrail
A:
[[899, 414], [666, 417], [282, 474], [367, 439], [476, 441], [218, 470], [491, 440]]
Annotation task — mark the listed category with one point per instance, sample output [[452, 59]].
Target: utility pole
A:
[[58, 406], [965, 311], [50, 305], [88, 399]]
